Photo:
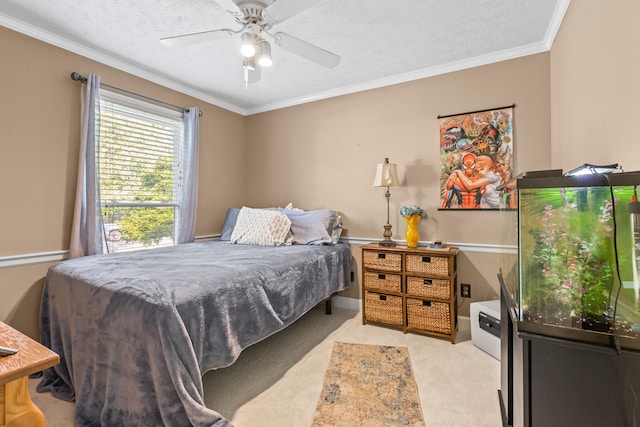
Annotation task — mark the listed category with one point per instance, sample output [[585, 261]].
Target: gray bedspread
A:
[[136, 331]]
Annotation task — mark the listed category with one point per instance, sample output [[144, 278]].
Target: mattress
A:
[[136, 331]]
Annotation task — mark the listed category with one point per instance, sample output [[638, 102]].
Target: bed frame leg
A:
[[327, 306]]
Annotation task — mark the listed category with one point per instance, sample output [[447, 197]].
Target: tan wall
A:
[[594, 82], [39, 140], [21, 295], [323, 155]]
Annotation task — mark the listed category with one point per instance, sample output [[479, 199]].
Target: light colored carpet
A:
[[278, 381], [368, 386]]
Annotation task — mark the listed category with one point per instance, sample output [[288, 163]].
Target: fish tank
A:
[[574, 272]]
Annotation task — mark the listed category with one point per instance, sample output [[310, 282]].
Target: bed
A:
[[136, 331]]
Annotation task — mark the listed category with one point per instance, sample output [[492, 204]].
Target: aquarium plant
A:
[[570, 269]]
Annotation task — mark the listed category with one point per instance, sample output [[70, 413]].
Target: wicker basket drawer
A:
[[382, 260], [383, 282], [428, 288], [436, 265], [428, 315], [385, 309]]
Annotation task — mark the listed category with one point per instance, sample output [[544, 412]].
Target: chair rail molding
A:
[[466, 247], [32, 258], [56, 256]]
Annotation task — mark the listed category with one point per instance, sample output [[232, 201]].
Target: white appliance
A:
[[485, 326]]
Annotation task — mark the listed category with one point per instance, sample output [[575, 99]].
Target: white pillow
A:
[[264, 227], [290, 207], [314, 227]]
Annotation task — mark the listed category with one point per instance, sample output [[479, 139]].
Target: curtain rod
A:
[[82, 79], [477, 111]]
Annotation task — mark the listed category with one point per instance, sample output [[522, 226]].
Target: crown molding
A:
[[477, 61], [556, 20], [112, 61], [505, 55], [80, 49]]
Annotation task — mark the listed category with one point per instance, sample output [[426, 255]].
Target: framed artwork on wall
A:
[[476, 160]]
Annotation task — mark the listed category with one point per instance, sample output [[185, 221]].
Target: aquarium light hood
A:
[[588, 169]]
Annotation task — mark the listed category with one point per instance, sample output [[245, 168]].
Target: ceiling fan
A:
[[257, 18]]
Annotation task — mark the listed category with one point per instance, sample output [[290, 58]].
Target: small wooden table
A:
[[16, 407]]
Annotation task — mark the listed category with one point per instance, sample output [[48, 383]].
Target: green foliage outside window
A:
[[137, 168], [150, 225]]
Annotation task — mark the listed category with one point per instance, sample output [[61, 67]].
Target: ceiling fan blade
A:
[[230, 6], [282, 10], [194, 38], [306, 50]]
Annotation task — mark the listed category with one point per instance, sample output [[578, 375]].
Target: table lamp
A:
[[386, 176]]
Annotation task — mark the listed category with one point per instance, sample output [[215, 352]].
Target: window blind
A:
[[139, 158]]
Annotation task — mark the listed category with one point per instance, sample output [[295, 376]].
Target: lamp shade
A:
[[386, 175], [248, 46], [265, 59]]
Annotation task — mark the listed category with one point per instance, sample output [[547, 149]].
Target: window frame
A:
[[144, 107]]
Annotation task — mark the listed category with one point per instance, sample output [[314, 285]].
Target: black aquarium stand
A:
[[549, 381]]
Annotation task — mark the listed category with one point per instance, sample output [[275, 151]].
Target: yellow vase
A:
[[412, 235]]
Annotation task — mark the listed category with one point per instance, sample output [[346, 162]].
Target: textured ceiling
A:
[[380, 42]]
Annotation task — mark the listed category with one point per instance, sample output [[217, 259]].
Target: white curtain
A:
[[189, 188], [86, 234]]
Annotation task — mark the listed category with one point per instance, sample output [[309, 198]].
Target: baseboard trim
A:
[[206, 238], [347, 303]]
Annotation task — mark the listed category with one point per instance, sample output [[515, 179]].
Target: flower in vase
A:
[[412, 210]]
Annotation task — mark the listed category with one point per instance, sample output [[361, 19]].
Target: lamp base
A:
[[387, 236]]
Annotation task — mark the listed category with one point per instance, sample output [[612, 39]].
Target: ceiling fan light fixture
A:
[[250, 71], [265, 59], [248, 46], [257, 17], [249, 64]]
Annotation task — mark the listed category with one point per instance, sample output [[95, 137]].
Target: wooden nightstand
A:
[[16, 407], [412, 289]]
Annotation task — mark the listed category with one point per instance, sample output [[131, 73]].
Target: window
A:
[[139, 165]]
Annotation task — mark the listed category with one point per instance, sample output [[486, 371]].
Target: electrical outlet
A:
[[465, 290]]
